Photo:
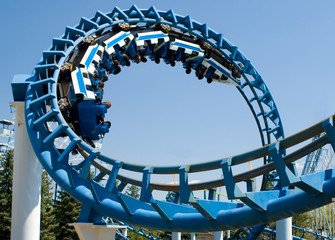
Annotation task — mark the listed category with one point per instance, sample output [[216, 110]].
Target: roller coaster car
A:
[[174, 34], [151, 38], [82, 84], [84, 111], [86, 118], [111, 65], [116, 47], [117, 41], [185, 51], [83, 89], [64, 83], [92, 57], [152, 44], [217, 68], [99, 75], [90, 116], [183, 48], [77, 56]]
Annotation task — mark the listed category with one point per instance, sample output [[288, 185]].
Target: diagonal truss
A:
[[102, 196]]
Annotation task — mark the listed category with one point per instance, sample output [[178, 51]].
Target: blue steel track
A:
[[295, 194]]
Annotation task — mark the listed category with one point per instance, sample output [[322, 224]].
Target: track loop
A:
[[104, 196]]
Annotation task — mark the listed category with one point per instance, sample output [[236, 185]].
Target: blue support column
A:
[[286, 176], [89, 215], [111, 182], [146, 195], [185, 193], [250, 185], [85, 171], [233, 191], [121, 186], [329, 128], [255, 200], [211, 194]]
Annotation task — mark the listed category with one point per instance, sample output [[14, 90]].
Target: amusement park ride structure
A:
[[6, 133], [66, 90]]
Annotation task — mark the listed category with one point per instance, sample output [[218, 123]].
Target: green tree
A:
[[67, 211], [186, 236], [48, 223], [133, 191], [303, 220], [6, 179]]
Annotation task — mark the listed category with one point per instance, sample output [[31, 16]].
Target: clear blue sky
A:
[[162, 116]]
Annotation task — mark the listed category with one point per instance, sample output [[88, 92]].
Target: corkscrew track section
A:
[[186, 214]]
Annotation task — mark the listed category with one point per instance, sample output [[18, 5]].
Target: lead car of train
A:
[[82, 77]]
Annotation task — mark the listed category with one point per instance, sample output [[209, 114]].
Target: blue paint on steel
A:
[[111, 182], [146, 195], [329, 128], [19, 87], [118, 39], [190, 216], [233, 191], [286, 176], [186, 194]]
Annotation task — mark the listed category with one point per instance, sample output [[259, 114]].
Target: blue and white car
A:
[[82, 84], [117, 41], [157, 38], [190, 49], [220, 70], [92, 57]]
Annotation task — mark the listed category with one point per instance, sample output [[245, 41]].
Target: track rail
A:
[[101, 197]]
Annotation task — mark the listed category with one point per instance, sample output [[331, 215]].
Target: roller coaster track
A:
[[101, 198]]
